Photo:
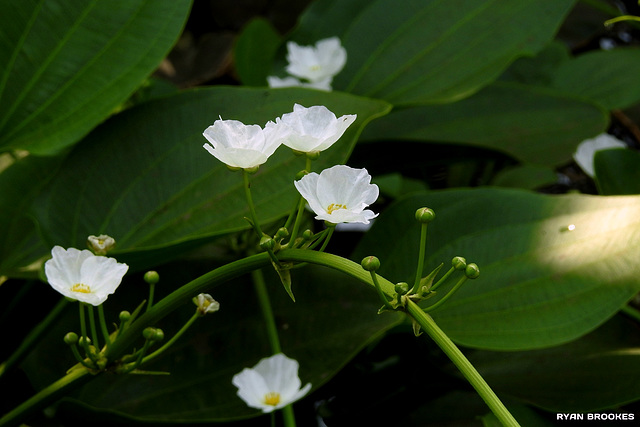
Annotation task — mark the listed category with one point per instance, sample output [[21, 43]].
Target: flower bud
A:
[[401, 288], [71, 338], [425, 215], [307, 235], [84, 340], [267, 243], [370, 263], [101, 244], [282, 233], [124, 316], [151, 277], [472, 271], [159, 336], [149, 333], [459, 263]]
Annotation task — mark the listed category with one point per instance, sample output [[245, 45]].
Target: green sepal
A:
[[416, 327], [428, 279], [284, 272]]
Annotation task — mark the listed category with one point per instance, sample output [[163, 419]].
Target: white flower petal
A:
[[252, 388], [83, 276], [277, 82], [339, 194], [587, 149], [316, 63]]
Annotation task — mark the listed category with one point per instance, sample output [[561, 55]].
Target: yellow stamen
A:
[[334, 207], [79, 287], [272, 398]]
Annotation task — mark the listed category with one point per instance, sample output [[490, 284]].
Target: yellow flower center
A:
[[79, 287], [334, 207], [272, 398]]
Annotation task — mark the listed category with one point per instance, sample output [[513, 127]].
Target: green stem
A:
[[92, 325], [152, 289], [33, 337], [422, 250], [462, 363], [103, 326], [447, 295], [252, 209], [631, 312], [442, 279], [267, 311], [298, 220], [327, 238], [46, 396]]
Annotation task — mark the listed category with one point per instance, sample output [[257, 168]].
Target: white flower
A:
[[311, 129], [316, 63], [206, 304], [277, 82], [239, 145], [339, 194], [101, 244], [587, 149], [272, 384], [83, 276]]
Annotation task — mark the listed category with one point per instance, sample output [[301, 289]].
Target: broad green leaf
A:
[[332, 319], [20, 244], [429, 51], [608, 77], [525, 176], [532, 124], [617, 171], [68, 63], [254, 51], [553, 268], [540, 69], [144, 178], [596, 372]]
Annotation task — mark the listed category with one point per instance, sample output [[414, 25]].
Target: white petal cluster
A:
[[311, 129], [83, 276], [239, 145], [315, 65], [339, 194], [586, 151], [272, 384], [206, 304]]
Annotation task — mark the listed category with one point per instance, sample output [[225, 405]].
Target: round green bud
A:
[[307, 234], [300, 174], [313, 155], [159, 335], [149, 333], [282, 233], [151, 277], [71, 338], [425, 215], [472, 271], [84, 340], [370, 263], [401, 288], [267, 243], [125, 316], [459, 263]]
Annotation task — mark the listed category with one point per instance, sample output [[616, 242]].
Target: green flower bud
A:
[[267, 243], [84, 340], [300, 174], [402, 288], [459, 263], [472, 271], [151, 277], [159, 335], [307, 235], [125, 316], [282, 233], [425, 215], [71, 338], [370, 263], [149, 333]]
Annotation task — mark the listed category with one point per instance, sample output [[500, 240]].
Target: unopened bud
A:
[[125, 316], [300, 174], [370, 263], [402, 288], [151, 277], [71, 338], [425, 215], [472, 271], [459, 263], [282, 233], [267, 243], [307, 235], [149, 333], [101, 244]]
